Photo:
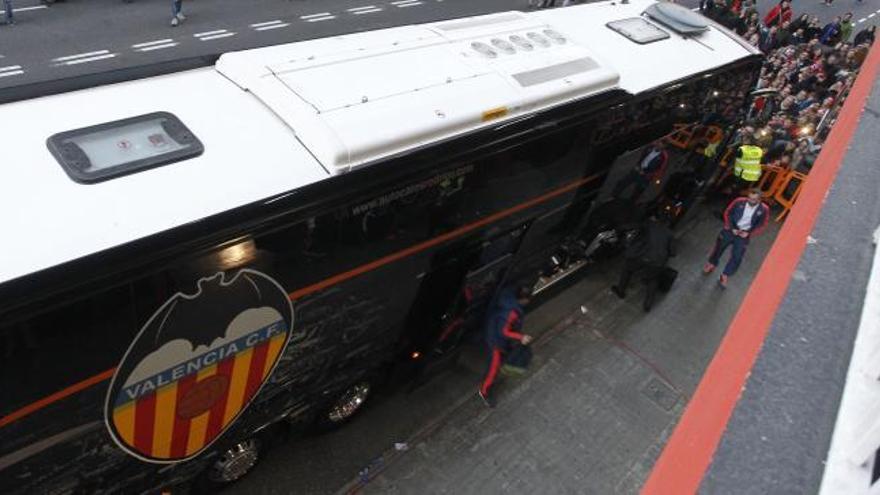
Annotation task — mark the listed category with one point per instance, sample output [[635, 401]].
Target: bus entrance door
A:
[[453, 299]]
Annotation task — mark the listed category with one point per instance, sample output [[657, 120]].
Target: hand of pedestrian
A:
[[743, 233], [526, 339]]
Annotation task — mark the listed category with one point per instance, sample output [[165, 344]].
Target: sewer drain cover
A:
[[661, 394]]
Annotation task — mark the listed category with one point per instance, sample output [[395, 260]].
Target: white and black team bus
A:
[[197, 261]]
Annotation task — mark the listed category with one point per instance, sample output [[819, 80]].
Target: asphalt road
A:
[[79, 37]]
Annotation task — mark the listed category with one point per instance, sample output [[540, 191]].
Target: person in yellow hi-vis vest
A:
[[747, 167]]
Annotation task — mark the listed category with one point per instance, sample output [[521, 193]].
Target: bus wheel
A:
[[346, 406], [231, 465]]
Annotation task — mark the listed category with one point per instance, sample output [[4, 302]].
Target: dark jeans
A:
[[176, 5], [727, 238], [651, 274], [634, 177], [7, 6]]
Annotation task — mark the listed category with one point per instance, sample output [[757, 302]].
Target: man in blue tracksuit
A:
[[503, 327], [744, 218]]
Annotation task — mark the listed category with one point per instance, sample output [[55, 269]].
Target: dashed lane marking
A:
[[152, 43], [157, 47], [863, 19], [367, 9], [24, 9], [323, 16], [872, 15], [11, 70], [406, 3], [81, 58], [209, 33], [80, 55], [213, 35], [265, 26]]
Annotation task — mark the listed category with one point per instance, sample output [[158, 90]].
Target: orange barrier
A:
[[772, 178], [786, 202], [681, 137]]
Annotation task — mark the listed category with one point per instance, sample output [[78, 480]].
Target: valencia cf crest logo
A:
[[196, 365]]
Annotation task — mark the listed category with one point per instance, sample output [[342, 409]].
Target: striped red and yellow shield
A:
[[173, 400]]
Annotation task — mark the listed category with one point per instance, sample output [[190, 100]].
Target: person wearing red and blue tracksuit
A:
[[503, 330], [744, 218]]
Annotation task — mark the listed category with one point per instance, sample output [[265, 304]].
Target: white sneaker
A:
[[181, 17], [174, 22]]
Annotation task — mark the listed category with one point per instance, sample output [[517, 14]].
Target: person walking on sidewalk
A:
[[744, 218], [647, 255], [503, 327], [8, 19], [176, 12]]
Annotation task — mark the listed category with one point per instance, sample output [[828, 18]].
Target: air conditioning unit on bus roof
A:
[[351, 109]]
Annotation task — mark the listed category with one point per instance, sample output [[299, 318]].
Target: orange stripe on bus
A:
[[106, 375], [51, 399], [689, 450], [341, 277]]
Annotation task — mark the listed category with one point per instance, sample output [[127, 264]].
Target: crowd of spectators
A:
[[809, 69]]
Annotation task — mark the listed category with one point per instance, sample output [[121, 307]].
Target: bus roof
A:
[[276, 119]]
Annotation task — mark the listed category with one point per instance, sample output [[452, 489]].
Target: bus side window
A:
[[60, 347]]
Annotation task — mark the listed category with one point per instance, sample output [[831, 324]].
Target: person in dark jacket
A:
[[503, 331], [650, 167], [744, 218], [865, 36], [648, 255]]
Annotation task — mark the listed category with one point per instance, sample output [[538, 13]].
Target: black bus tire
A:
[[345, 406]]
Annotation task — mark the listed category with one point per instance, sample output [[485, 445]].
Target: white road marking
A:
[[90, 59], [365, 7], [25, 9], [872, 15], [407, 3], [214, 37], [322, 14], [272, 26], [319, 19], [863, 19], [366, 11], [12, 73], [10, 67], [80, 55], [209, 33], [267, 23], [151, 43], [157, 47]]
